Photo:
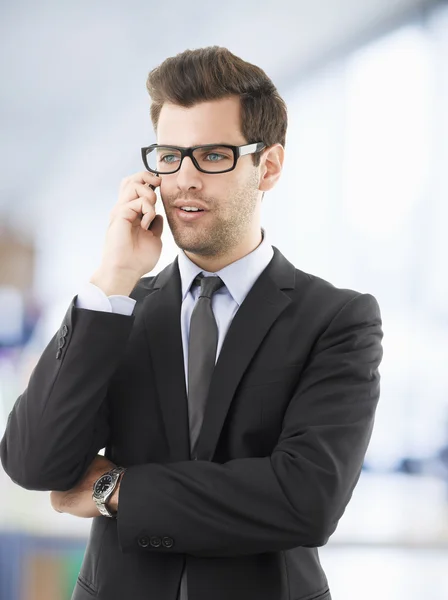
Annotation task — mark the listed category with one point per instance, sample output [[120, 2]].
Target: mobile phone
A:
[[153, 187]]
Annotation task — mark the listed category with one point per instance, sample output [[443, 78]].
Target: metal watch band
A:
[[101, 502]]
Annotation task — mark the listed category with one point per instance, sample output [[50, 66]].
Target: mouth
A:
[[191, 215]]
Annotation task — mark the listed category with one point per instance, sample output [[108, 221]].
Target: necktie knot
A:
[[209, 285]]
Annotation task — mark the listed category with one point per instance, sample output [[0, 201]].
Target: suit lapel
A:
[[261, 308], [162, 319]]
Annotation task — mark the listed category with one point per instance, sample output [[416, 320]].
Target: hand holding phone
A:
[[133, 242]]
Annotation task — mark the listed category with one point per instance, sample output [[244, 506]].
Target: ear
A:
[[271, 166]]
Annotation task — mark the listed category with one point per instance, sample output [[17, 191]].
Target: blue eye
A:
[[217, 157], [169, 158]]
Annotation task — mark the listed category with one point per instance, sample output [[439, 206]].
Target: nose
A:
[[188, 177]]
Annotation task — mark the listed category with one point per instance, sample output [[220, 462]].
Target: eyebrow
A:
[[210, 145]]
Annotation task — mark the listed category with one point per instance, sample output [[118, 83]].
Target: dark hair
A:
[[213, 73]]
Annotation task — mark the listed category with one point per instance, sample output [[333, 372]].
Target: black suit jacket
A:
[[286, 427]]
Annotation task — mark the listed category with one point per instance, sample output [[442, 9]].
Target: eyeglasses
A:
[[210, 158]]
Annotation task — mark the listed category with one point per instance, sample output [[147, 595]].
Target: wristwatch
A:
[[103, 489]]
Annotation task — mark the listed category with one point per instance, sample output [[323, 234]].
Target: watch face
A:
[[102, 485]]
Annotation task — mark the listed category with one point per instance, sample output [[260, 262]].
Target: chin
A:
[[195, 246], [203, 242], [187, 238]]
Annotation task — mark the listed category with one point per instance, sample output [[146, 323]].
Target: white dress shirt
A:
[[238, 278]]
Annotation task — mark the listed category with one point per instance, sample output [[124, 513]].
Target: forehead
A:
[[203, 123]]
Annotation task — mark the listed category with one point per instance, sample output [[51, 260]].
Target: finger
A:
[[134, 210], [144, 177], [148, 177], [148, 218], [135, 190]]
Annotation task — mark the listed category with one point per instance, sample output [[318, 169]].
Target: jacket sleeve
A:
[[296, 496], [60, 422]]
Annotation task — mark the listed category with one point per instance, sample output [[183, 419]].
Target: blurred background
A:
[[363, 203]]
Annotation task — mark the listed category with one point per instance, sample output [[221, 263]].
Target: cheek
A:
[[167, 185], [167, 191], [224, 187]]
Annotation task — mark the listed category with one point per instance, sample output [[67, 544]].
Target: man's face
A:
[[231, 199]]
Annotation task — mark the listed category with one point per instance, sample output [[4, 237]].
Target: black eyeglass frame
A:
[[238, 151]]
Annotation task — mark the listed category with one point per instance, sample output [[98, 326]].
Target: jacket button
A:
[[168, 542], [143, 541], [61, 342], [155, 541], [64, 330], [58, 353]]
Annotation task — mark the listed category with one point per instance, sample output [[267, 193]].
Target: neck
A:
[[212, 264]]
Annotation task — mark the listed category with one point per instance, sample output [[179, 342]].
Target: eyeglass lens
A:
[[213, 160]]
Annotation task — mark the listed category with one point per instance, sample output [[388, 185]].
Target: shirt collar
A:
[[238, 277]]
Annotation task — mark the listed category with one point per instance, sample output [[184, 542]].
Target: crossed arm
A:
[[294, 497], [78, 501]]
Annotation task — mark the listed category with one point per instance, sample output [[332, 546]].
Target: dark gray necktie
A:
[[202, 345]]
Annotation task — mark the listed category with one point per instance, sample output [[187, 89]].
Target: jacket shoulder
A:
[[318, 296]]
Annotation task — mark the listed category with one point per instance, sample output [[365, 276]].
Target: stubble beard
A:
[[228, 222]]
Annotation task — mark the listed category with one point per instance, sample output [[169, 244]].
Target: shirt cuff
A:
[[91, 297]]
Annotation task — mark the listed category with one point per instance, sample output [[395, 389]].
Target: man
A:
[[234, 393]]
